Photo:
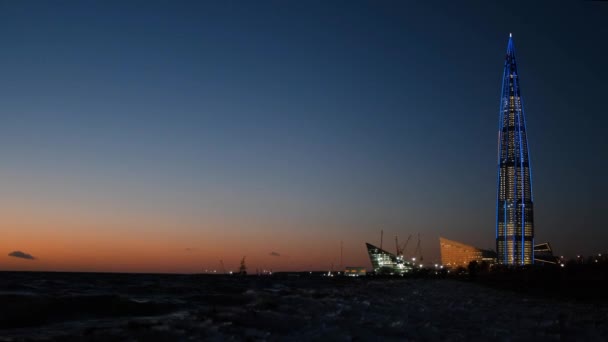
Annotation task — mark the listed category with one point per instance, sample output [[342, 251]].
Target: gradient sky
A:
[[166, 136]]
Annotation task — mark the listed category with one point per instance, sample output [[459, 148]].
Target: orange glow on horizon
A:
[[105, 246]]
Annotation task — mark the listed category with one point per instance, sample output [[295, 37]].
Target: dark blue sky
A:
[[326, 121]]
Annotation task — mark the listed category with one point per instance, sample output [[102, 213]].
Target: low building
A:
[[352, 271], [384, 262], [457, 254]]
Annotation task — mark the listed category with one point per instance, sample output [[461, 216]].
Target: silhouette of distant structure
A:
[[243, 267], [514, 203]]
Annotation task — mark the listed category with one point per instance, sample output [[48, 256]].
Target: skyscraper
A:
[[514, 207]]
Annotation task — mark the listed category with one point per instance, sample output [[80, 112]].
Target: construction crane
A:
[[222, 265], [341, 254], [418, 250], [401, 249], [397, 245]]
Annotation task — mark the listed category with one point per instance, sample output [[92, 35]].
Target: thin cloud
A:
[[22, 255], [275, 254]]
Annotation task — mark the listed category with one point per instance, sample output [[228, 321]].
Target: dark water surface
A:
[[150, 307]]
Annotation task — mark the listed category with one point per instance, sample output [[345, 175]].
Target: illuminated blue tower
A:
[[514, 207]]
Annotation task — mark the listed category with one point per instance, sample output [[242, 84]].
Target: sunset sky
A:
[[145, 136]]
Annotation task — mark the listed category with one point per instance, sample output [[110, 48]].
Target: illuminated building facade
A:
[[514, 208], [456, 254], [384, 262]]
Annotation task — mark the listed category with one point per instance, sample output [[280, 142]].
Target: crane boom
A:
[[401, 249], [418, 250]]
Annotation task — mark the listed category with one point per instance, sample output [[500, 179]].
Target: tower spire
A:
[[510, 47]]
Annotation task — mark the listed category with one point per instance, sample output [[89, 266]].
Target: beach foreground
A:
[[101, 307]]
